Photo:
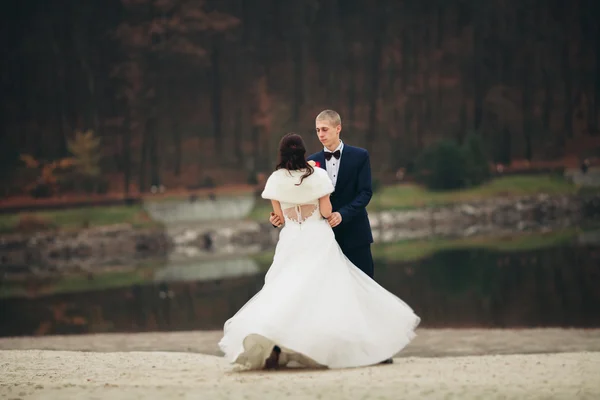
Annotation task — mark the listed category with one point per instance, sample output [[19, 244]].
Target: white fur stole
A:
[[281, 186]]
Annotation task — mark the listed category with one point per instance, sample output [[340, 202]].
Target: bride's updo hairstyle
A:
[[292, 155]]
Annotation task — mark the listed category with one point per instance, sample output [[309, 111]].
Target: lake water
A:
[[534, 280]]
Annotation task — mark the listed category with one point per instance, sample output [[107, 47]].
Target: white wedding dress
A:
[[315, 305]]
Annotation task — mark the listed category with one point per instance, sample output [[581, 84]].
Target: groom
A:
[[350, 172]]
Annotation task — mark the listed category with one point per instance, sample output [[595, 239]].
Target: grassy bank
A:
[[410, 196], [76, 218], [404, 196]]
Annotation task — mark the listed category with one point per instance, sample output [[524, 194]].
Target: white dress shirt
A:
[[333, 164]]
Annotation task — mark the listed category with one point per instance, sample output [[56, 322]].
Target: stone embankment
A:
[[122, 245]]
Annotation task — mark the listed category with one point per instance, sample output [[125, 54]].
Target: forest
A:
[[187, 93]]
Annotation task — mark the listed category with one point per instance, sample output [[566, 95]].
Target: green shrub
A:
[[442, 166], [41, 190], [252, 178], [376, 185], [448, 166], [478, 169]]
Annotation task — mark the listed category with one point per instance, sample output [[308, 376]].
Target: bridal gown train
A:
[[317, 306]]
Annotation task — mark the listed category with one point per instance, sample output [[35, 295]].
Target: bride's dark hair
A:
[[292, 155]]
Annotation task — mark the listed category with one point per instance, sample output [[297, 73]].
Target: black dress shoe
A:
[[388, 361], [273, 361]]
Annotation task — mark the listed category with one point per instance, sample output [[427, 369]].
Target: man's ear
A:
[[338, 128]]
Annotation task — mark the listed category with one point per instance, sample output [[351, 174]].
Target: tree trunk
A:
[[143, 162], [299, 61], [527, 85], [548, 103], [351, 89], [506, 146], [60, 91], [336, 48], [216, 99], [409, 144], [396, 154], [462, 131], [596, 106], [126, 144], [243, 75], [178, 142], [567, 78], [477, 64], [439, 30], [81, 18], [238, 145], [151, 129], [256, 144], [429, 92], [406, 57], [380, 31]]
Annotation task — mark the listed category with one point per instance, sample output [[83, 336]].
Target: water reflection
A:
[[208, 270], [472, 286], [556, 286]]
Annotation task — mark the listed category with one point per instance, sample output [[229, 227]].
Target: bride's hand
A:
[[335, 219]]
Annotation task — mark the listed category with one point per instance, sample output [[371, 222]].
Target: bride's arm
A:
[[325, 206], [277, 210]]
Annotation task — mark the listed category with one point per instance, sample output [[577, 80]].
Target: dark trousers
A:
[[361, 257]]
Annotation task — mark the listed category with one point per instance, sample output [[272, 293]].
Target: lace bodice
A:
[[300, 213]]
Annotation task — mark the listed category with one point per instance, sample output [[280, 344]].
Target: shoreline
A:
[[428, 342]]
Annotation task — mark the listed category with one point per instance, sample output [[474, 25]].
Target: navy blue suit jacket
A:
[[352, 194]]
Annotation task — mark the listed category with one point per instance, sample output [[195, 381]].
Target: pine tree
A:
[[85, 148]]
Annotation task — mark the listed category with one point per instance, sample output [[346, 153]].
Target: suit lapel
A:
[[344, 166]]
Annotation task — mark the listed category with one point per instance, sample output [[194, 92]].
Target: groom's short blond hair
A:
[[329, 116]]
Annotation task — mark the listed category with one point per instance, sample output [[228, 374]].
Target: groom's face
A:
[[328, 133]]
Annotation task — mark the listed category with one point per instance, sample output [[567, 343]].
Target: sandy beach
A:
[[480, 365], [42, 374]]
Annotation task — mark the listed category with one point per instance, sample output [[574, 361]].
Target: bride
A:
[[316, 308]]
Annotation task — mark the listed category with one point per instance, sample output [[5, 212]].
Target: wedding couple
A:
[[319, 306]]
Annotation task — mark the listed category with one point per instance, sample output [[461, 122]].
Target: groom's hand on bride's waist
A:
[[275, 220]]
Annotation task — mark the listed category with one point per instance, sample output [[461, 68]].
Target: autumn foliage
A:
[[182, 92]]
